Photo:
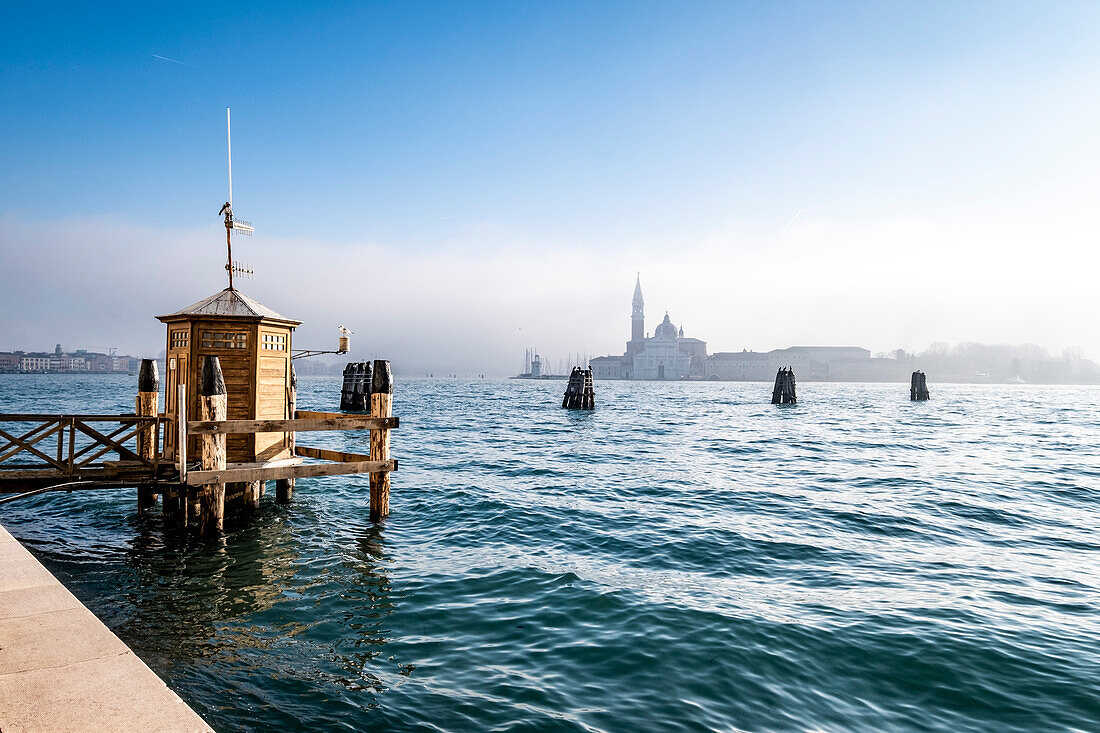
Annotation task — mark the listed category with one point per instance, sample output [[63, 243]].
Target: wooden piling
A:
[[284, 487], [213, 406], [783, 393], [347, 387], [361, 394], [579, 393], [918, 387], [381, 405], [146, 406], [252, 495], [183, 497]]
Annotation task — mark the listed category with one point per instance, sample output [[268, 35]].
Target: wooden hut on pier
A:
[[252, 343]]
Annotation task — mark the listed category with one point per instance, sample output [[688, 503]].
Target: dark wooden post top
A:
[[211, 381], [382, 379], [148, 376]]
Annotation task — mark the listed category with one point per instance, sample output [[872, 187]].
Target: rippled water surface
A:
[[685, 557]]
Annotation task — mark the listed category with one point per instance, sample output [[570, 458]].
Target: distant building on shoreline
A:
[[669, 355], [80, 361]]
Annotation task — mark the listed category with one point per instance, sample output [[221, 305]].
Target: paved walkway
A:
[[61, 669]]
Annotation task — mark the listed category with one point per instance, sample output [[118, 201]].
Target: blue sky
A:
[[620, 132]]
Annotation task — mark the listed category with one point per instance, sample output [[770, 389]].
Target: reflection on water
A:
[[684, 557]]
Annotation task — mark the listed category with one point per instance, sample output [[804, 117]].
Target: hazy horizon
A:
[[458, 184]]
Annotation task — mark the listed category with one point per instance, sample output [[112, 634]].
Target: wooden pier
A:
[[229, 365]]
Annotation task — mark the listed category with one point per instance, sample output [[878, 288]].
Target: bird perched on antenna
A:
[[345, 331], [225, 207]]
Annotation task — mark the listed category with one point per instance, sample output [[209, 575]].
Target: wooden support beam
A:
[[284, 487], [213, 405], [146, 406], [381, 406], [238, 427], [329, 455], [305, 470], [28, 417], [316, 415], [252, 495]]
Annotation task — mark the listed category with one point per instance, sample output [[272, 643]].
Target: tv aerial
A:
[[232, 224]]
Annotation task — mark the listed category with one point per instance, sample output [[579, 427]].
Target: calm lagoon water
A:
[[687, 557]]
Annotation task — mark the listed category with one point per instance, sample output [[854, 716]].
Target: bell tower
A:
[[637, 313]]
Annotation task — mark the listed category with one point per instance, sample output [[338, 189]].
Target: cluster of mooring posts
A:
[[580, 394], [228, 363], [784, 391], [918, 387], [356, 389]]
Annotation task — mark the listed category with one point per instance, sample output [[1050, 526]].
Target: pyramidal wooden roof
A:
[[231, 304]]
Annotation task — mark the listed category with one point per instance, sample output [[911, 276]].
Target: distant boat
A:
[[1017, 380]]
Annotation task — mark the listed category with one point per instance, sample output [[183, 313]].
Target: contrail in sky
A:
[[792, 221], [165, 58]]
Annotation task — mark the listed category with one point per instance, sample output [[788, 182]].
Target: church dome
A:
[[665, 330]]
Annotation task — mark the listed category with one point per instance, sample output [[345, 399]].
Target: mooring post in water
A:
[[918, 387], [346, 387], [381, 405], [783, 393], [147, 398], [284, 487], [361, 395], [213, 406], [181, 504], [579, 393]]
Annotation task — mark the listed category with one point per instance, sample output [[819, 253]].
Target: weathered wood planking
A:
[[305, 470], [146, 405], [212, 394], [381, 402], [329, 455], [343, 422]]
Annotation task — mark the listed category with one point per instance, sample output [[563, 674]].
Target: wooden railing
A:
[[76, 448], [337, 463]]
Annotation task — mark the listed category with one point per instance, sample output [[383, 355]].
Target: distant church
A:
[[667, 354]]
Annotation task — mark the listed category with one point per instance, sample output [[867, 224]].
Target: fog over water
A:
[[475, 305]]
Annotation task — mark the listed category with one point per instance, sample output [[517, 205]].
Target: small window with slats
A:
[[274, 342], [224, 340], [179, 340]]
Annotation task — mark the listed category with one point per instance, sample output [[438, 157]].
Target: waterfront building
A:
[[667, 354], [35, 363], [59, 361]]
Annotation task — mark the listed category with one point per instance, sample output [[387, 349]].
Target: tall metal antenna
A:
[[231, 224], [229, 150]]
